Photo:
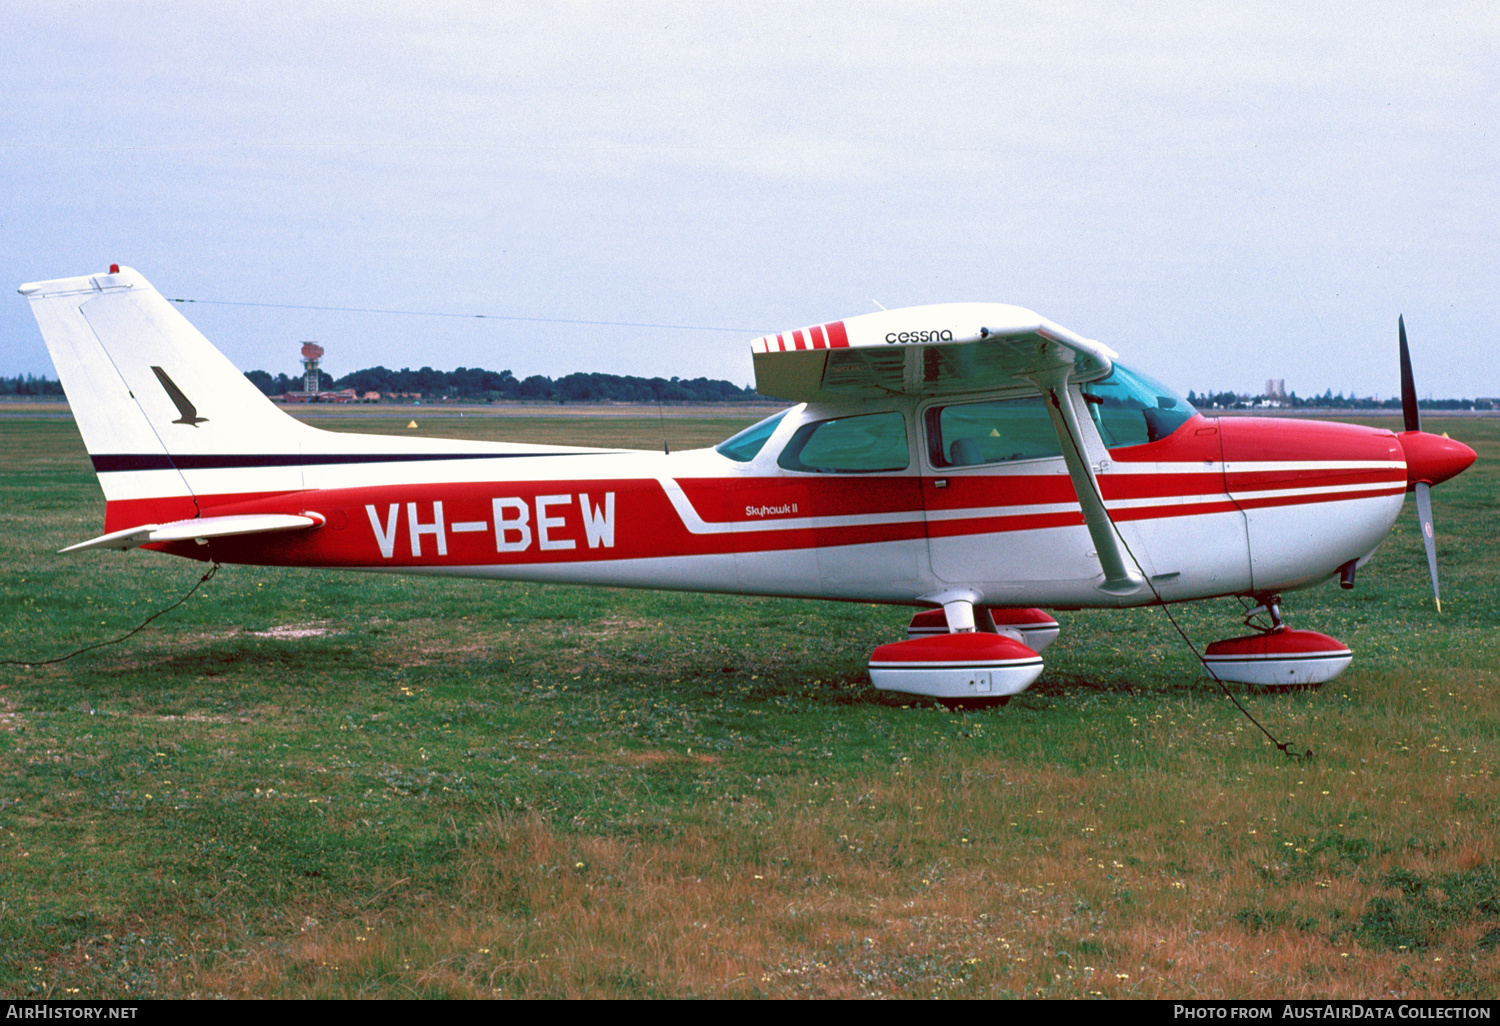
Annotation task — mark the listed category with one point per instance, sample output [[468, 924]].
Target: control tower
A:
[[312, 380]]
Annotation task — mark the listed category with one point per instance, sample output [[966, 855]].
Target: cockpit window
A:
[[1131, 409], [849, 445], [998, 431], [746, 445]]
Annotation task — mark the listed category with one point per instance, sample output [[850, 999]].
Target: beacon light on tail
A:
[[974, 459]]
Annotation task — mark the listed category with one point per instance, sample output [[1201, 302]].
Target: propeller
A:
[[1430, 459]]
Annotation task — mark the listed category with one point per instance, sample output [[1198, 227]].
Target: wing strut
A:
[[1119, 579]]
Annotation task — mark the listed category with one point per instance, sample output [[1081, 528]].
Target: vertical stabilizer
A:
[[154, 400]]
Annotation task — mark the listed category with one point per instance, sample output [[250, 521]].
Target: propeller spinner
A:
[[1430, 459]]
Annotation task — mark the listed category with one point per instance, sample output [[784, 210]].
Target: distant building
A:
[[312, 377], [312, 382], [1276, 388], [343, 395]]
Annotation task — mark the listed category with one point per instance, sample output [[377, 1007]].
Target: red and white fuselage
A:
[[1222, 506]]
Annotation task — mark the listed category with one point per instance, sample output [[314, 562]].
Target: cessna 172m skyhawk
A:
[[972, 458]]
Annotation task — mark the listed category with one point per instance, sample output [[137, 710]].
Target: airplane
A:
[[975, 460]]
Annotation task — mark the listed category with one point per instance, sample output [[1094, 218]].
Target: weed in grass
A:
[[1432, 910]]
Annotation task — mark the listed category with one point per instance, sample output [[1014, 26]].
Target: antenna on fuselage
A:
[[661, 419]]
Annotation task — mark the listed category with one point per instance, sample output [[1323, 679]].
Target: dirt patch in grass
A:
[[316, 629], [610, 628], [659, 758]]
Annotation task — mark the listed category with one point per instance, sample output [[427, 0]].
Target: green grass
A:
[[326, 784]]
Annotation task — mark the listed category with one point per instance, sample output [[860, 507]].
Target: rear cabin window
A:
[[746, 445], [1131, 409], [998, 431], [866, 444]]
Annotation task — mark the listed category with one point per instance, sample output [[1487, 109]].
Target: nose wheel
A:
[[1276, 658]]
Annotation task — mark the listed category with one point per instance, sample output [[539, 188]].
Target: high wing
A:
[[951, 348], [924, 350]]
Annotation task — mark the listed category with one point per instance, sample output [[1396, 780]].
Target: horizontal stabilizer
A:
[[201, 527]]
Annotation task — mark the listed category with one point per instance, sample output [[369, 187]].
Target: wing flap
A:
[[201, 527]]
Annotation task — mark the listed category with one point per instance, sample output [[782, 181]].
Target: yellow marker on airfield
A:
[[412, 424]]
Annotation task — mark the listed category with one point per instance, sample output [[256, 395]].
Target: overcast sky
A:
[[1223, 194]]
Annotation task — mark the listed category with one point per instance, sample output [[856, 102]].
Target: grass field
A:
[[339, 785]]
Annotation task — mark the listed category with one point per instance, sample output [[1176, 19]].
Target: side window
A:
[[849, 445], [994, 432]]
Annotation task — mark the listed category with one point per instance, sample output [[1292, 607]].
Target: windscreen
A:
[[1132, 409]]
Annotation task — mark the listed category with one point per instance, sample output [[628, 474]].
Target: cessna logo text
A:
[[893, 337]]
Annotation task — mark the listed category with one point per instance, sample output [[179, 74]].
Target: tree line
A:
[[474, 383], [29, 385], [1326, 401]]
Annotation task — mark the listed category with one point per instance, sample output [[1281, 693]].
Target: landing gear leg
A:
[[960, 615], [1267, 605]]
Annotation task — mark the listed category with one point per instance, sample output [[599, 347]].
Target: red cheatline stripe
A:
[[1001, 525], [1166, 512], [838, 338], [1159, 486], [801, 343], [1264, 480], [819, 342], [1306, 500]]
